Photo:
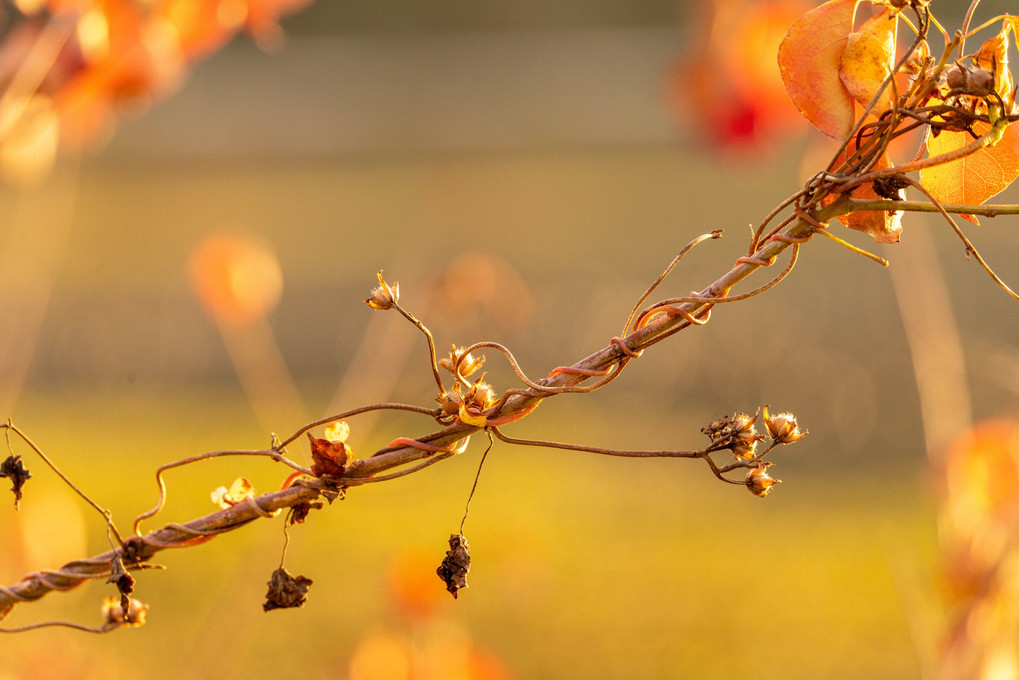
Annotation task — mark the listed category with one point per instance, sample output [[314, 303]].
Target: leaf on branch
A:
[[286, 590], [809, 59], [868, 60], [977, 177], [13, 468], [456, 564]]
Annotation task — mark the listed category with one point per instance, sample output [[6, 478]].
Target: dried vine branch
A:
[[966, 102]]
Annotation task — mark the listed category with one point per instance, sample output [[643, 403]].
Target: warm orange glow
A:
[[982, 474], [237, 277]]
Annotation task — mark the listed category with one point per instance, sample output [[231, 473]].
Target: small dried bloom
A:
[[114, 614], [783, 427], [759, 481], [461, 361], [238, 491], [384, 296]]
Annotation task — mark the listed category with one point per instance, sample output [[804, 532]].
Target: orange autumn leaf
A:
[[809, 60], [977, 177], [868, 60]]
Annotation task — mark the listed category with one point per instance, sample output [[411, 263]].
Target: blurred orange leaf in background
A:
[[237, 277], [724, 85], [90, 61]]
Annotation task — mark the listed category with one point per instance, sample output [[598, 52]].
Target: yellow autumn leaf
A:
[[868, 60]]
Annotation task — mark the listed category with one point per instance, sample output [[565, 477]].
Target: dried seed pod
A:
[[384, 296], [759, 481], [456, 564], [783, 427]]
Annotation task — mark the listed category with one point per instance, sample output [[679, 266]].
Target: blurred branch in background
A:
[[30, 257]]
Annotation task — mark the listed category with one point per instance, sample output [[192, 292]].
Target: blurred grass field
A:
[[582, 567]]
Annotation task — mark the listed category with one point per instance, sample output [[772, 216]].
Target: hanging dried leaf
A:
[[13, 468], [286, 590], [809, 60], [456, 564]]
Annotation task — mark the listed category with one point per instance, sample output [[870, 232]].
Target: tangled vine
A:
[[960, 106]]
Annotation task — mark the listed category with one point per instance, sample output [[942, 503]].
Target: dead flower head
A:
[[759, 481], [114, 614], [783, 427], [384, 296], [461, 362]]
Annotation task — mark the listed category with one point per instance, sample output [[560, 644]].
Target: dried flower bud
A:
[[783, 427], [384, 296], [114, 614], [759, 481], [461, 361], [480, 396]]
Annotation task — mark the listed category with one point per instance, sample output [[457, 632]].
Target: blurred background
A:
[[187, 274]]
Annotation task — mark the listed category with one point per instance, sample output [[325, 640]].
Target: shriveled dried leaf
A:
[[809, 60], [328, 457], [456, 564], [15, 469], [286, 590]]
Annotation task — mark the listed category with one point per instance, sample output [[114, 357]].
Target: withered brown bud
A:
[[961, 79], [456, 564], [891, 187], [450, 402]]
